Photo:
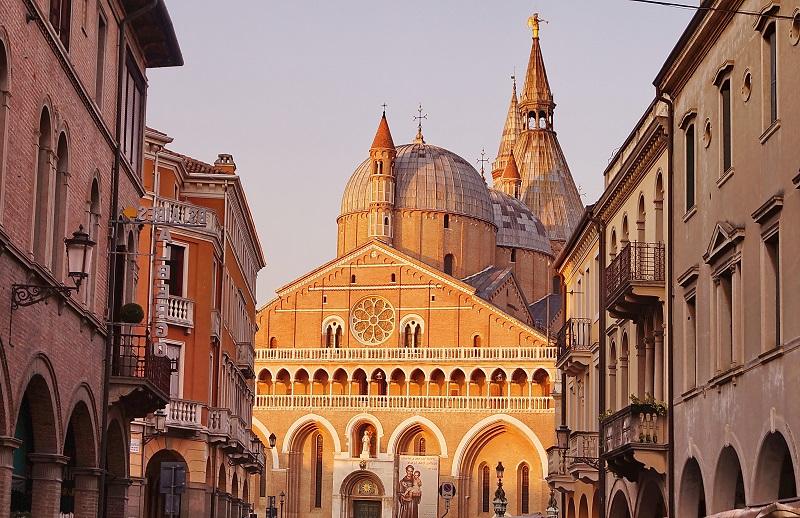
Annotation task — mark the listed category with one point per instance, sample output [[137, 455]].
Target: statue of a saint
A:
[[366, 443]]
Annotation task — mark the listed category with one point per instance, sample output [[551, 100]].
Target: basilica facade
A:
[[421, 353]]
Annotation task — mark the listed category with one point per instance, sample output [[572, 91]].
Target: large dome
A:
[[517, 227], [427, 178]]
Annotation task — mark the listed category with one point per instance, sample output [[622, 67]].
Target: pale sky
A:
[[293, 90]]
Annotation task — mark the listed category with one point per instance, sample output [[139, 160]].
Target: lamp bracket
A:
[[594, 462], [29, 294]]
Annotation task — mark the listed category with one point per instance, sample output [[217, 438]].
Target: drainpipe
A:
[[601, 400], [113, 239], [667, 99]]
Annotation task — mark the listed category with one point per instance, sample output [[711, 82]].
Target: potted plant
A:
[[131, 313], [648, 405]]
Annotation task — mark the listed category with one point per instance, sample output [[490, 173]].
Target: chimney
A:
[[225, 164]]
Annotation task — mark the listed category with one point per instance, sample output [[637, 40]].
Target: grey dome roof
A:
[[517, 227], [427, 178]]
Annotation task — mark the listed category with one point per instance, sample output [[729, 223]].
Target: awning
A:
[[774, 510]]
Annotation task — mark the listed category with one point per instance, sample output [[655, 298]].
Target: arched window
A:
[[524, 484], [727, 136], [273, 343], [352, 279], [42, 210], [625, 239], [531, 120], [93, 229], [447, 221], [448, 264], [689, 177], [640, 221], [485, 482], [394, 278], [613, 248], [60, 208], [333, 334], [411, 327], [476, 341], [4, 101], [513, 255], [318, 471]]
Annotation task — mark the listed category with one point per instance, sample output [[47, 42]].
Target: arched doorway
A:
[[81, 452], [774, 471], [651, 501], [583, 508], [361, 495], [117, 466], [729, 490], [692, 496], [154, 501], [619, 506]]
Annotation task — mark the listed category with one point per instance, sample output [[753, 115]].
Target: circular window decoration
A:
[[707, 134], [747, 86], [794, 32], [372, 320]]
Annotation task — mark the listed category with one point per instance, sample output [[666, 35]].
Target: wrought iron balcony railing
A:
[[575, 335], [637, 263], [134, 358]]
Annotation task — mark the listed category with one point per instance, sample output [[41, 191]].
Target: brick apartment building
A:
[[72, 98]]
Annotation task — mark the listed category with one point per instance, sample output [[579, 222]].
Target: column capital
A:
[[47, 466], [7, 447]]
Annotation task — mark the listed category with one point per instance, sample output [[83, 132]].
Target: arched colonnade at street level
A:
[[405, 381]]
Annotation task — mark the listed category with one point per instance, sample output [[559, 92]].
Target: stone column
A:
[[737, 336], [47, 473], [658, 374], [7, 447], [117, 496], [649, 362], [222, 505], [86, 492]]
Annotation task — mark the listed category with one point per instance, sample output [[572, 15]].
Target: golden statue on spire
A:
[[533, 23]]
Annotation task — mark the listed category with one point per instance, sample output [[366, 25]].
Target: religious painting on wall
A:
[[417, 485]]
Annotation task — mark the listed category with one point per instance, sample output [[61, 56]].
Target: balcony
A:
[[635, 439], [635, 278], [557, 474], [575, 348], [405, 354], [139, 379], [180, 311], [182, 413], [244, 358], [219, 424], [198, 218], [527, 404], [582, 449]]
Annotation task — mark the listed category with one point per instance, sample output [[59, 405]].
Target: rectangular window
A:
[[176, 262], [60, 19], [690, 339], [173, 352], [725, 92], [132, 137], [102, 32], [725, 319], [771, 292], [772, 72], [690, 163]]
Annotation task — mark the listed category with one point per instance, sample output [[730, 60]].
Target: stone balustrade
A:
[[403, 354], [535, 404]]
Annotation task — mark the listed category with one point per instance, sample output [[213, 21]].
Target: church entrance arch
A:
[[362, 494]]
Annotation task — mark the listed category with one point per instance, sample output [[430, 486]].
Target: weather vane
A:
[[420, 139]]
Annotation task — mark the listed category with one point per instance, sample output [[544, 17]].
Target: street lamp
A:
[[562, 441], [500, 502], [159, 425], [562, 437], [552, 505], [283, 499], [272, 440], [79, 264]]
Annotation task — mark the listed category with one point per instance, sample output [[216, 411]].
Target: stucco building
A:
[[206, 327], [424, 343], [733, 82]]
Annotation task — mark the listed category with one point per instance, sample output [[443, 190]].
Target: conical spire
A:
[[537, 93], [511, 172], [383, 137], [511, 130]]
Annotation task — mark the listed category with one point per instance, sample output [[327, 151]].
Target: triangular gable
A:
[[375, 248], [724, 236]]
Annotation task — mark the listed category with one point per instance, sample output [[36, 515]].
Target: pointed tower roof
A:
[[537, 88], [511, 130], [383, 137], [511, 172]]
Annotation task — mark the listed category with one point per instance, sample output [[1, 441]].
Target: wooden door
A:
[[366, 509]]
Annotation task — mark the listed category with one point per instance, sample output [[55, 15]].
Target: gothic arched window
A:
[[318, 471], [447, 221], [485, 489], [333, 334], [524, 483]]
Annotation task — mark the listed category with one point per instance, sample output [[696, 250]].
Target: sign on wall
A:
[[416, 494]]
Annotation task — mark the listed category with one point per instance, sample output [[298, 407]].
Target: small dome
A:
[[426, 178], [517, 227]]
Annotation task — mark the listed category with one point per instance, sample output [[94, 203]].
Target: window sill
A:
[[689, 213], [774, 127], [726, 376], [725, 177], [692, 393], [770, 354]]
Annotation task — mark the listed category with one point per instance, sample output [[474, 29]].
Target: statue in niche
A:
[[366, 443]]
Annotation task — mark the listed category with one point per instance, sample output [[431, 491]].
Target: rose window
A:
[[372, 320]]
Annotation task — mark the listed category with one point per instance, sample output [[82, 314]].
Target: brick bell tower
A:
[[382, 183]]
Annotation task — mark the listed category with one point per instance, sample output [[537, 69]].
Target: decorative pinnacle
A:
[[533, 23], [384, 105], [420, 139], [483, 161]]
